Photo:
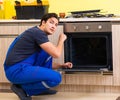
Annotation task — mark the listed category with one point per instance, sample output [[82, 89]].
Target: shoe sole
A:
[[14, 89]]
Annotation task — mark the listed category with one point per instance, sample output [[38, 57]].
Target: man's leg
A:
[[42, 82], [44, 60], [35, 78]]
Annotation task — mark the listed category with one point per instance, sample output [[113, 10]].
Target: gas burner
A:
[[89, 14]]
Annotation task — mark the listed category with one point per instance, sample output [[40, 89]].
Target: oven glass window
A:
[[89, 50]]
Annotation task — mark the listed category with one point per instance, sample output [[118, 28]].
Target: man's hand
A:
[[62, 37], [67, 65]]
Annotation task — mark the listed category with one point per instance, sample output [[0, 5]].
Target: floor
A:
[[66, 96]]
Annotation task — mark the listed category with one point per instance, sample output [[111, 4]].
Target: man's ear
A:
[[43, 22]]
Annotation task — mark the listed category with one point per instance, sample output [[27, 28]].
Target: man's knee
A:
[[56, 80]]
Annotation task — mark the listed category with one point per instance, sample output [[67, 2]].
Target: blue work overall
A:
[[34, 74]]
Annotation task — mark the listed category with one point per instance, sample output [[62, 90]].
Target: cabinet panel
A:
[[54, 38], [23, 26], [89, 79], [116, 52], [8, 29], [5, 41]]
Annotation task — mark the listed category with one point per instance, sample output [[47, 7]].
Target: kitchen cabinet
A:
[[116, 52], [98, 82], [8, 31], [53, 38], [5, 41], [8, 28]]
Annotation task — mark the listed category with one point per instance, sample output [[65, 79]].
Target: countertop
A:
[[65, 20]]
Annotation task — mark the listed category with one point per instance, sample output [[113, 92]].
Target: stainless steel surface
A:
[[90, 14], [87, 27]]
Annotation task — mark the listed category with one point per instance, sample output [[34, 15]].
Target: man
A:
[[28, 65]]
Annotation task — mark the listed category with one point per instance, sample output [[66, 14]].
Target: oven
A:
[[88, 46]]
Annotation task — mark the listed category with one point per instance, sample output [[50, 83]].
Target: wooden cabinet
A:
[[8, 31], [4, 44], [89, 79], [8, 28], [23, 26], [116, 52], [54, 38]]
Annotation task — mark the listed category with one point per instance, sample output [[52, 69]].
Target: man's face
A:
[[50, 25]]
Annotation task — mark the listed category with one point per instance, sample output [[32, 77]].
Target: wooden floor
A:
[[66, 96]]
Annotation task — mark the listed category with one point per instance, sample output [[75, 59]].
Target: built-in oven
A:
[[88, 46]]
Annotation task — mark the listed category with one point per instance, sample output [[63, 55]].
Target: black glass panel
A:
[[88, 51]]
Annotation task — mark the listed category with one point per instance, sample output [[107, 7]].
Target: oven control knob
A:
[[86, 27], [100, 27]]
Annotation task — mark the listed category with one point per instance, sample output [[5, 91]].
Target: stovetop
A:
[[89, 13]]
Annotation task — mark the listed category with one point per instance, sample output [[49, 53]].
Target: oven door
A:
[[89, 51]]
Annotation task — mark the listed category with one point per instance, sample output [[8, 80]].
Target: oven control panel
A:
[[87, 27]]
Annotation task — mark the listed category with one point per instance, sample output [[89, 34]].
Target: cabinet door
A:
[[8, 29], [54, 39], [116, 52], [5, 41], [23, 26]]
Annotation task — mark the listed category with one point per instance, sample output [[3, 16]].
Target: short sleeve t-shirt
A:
[[27, 44]]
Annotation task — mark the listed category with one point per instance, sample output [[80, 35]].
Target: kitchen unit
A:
[[80, 81]]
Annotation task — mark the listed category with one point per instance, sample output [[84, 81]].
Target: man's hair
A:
[[47, 16]]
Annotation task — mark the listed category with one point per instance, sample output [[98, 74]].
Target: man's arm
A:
[[54, 51]]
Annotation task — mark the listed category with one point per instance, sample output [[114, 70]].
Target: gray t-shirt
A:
[[26, 45]]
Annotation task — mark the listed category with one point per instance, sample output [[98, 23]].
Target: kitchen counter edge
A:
[[64, 20]]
